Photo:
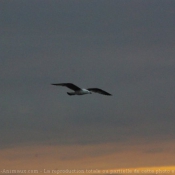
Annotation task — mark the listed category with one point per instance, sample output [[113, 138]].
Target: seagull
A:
[[81, 91]]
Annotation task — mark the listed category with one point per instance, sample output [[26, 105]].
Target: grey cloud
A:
[[123, 47]]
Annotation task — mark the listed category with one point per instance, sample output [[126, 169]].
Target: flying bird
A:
[[81, 91]]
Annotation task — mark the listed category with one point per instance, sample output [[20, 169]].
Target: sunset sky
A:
[[126, 47]]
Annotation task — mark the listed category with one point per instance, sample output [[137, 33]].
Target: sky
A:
[[124, 47]]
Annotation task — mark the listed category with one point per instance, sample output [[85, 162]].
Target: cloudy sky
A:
[[124, 47]]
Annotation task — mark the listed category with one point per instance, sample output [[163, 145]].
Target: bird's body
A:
[[81, 91]]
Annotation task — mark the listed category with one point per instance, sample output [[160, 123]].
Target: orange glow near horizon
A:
[[91, 159]]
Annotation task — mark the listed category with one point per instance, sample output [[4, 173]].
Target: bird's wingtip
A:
[[54, 84], [109, 94]]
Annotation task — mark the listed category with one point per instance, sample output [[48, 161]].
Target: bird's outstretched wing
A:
[[69, 85], [100, 91]]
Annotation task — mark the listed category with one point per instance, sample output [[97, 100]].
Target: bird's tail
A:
[[69, 93]]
